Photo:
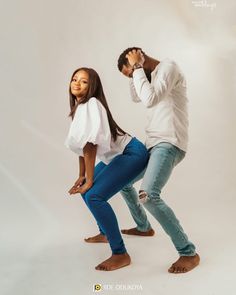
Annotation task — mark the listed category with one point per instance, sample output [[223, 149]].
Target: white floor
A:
[[43, 258]]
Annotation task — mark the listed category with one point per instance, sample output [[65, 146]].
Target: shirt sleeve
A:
[[164, 81], [133, 92], [90, 124]]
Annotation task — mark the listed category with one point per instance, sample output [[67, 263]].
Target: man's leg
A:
[[163, 158], [136, 209]]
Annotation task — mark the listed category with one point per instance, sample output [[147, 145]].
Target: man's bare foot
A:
[[134, 231], [114, 262], [97, 239], [184, 264]]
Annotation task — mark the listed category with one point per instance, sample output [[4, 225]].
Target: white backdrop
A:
[[42, 228]]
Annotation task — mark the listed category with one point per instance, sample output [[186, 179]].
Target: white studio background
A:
[[42, 228]]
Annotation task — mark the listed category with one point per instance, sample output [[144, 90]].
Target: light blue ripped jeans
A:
[[163, 158]]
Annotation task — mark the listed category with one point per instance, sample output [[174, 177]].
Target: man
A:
[[161, 87]]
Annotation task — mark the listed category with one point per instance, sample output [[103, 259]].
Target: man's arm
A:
[[133, 92], [163, 83]]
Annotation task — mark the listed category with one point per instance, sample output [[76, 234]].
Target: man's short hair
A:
[[122, 60]]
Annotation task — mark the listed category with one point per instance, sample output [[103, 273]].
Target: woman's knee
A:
[[92, 199]]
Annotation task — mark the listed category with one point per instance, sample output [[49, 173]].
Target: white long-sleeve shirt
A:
[[166, 102]]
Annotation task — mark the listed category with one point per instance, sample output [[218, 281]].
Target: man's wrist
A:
[[137, 66]]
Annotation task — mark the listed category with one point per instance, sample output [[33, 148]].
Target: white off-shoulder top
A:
[[90, 124]]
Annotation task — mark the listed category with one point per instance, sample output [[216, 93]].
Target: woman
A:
[[93, 132]]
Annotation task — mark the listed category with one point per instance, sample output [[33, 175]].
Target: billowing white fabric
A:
[[90, 124]]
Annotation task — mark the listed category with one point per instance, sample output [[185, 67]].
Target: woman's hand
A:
[[79, 182], [81, 189], [84, 188], [87, 163]]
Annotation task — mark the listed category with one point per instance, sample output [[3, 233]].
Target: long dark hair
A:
[[95, 89]]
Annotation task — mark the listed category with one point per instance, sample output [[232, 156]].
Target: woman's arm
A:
[[90, 151], [81, 180], [81, 167], [86, 170]]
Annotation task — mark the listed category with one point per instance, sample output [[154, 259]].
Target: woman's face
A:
[[79, 84]]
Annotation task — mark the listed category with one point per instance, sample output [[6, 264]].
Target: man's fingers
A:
[[130, 52], [134, 51]]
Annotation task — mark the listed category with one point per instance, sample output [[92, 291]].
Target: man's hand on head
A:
[[135, 57]]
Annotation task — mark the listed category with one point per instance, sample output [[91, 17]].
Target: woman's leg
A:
[[100, 238], [119, 172]]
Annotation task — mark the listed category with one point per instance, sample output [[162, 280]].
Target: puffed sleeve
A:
[[90, 124]]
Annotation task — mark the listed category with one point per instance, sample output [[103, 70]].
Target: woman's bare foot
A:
[[134, 231], [184, 264], [97, 239], [114, 262]]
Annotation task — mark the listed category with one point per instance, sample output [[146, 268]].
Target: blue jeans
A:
[[109, 180], [163, 158]]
